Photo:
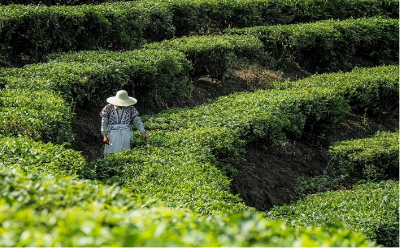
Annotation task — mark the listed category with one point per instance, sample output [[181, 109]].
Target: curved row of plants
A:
[[329, 45], [370, 208], [372, 164], [62, 211], [181, 164], [162, 72], [29, 32], [172, 150]]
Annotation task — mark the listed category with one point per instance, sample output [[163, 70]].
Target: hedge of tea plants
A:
[[361, 87], [45, 208], [28, 32], [40, 159], [372, 159], [35, 31], [39, 114], [329, 45], [153, 76], [372, 208], [214, 55]]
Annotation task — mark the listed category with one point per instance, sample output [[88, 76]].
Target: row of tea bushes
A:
[[39, 114], [367, 89], [29, 32], [179, 172], [38, 190], [42, 208], [182, 164], [42, 160], [331, 44], [372, 159], [156, 78], [99, 225], [214, 135], [213, 55], [371, 208], [34, 31]]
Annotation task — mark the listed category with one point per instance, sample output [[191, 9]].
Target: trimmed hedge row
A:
[[329, 45], [30, 32], [194, 139], [41, 160], [39, 114], [59, 2], [35, 31], [213, 55], [367, 89], [371, 208], [156, 77], [43, 192], [94, 225], [372, 159]]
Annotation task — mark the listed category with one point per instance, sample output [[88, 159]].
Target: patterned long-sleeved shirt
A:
[[112, 115]]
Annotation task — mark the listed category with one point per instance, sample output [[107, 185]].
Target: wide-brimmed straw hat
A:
[[122, 99]]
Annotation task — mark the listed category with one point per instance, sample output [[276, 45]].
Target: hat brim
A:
[[119, 102]]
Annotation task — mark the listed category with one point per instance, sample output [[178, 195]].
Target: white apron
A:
[[120, 136]]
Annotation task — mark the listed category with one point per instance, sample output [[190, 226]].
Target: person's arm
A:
[[104, 127], [137, 121]]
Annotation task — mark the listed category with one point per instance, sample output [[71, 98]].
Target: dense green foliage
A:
[[367, 89], [41, 159], [35, 31], [40, 114], [153, 76], [329, 45], [174, 189], [372, 208], [372, 159], [214, 55]]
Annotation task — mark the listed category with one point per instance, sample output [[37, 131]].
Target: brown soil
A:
[[266, 177]]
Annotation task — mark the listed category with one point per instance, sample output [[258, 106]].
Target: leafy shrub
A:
[[37, 158], [35, 31], [155, 77], [329, 45], [213, 54], [371, 208], [30, 32], [373, 159], [367, 89], [37, 114], [20, 188]]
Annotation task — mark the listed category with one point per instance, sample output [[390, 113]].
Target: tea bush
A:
[[368, 89], [101, 224], [155, 77], [41, 159], [213, 55], [372, 159], [19, 187], [329, 45], [39, 30], [40, 114], [29, 32], [371, 208]]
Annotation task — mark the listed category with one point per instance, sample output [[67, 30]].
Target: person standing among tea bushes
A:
[[116, 119]]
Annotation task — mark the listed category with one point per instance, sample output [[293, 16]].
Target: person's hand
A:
[[144, 136], [106, 140]]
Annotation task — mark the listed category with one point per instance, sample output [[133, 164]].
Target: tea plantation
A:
[[175, 189]]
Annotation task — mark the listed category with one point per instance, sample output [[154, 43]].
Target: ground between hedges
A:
[[266, 177]]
